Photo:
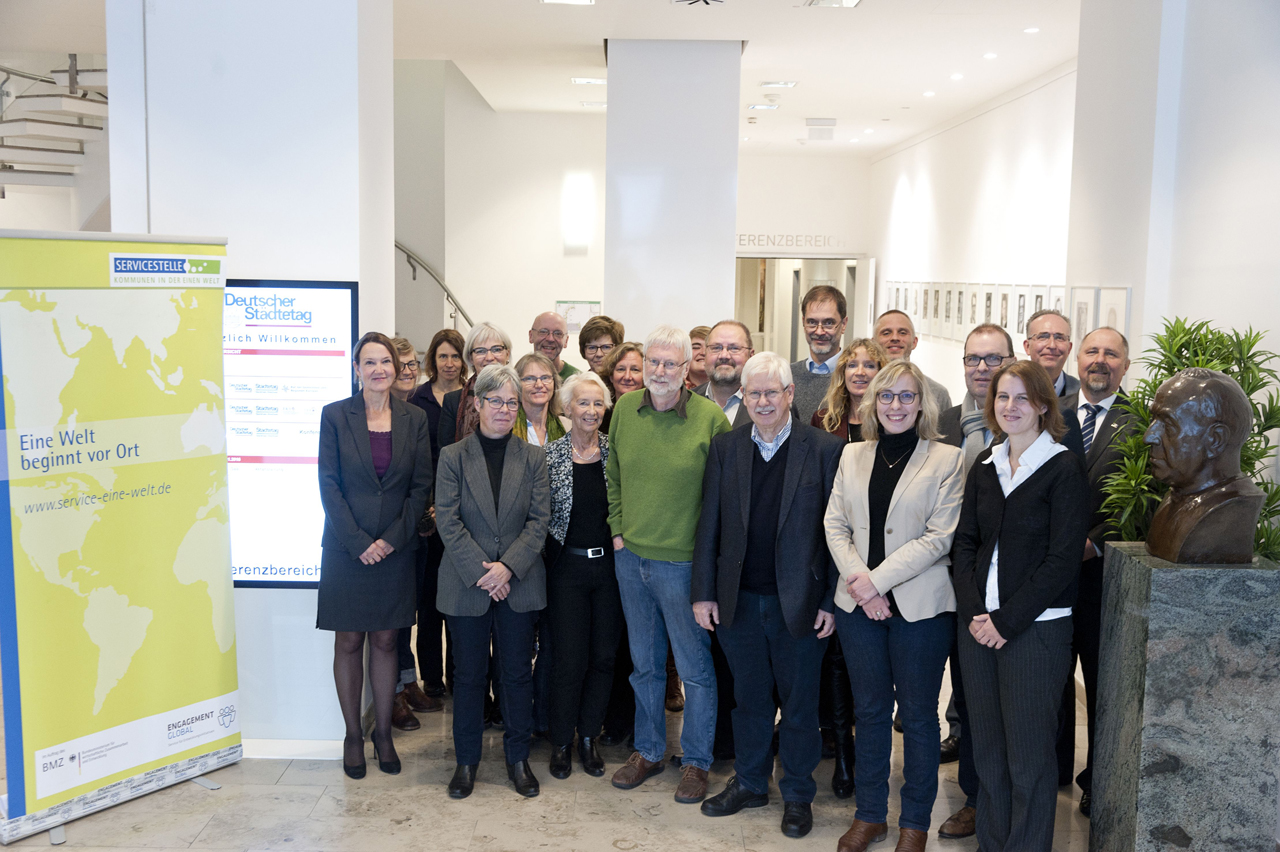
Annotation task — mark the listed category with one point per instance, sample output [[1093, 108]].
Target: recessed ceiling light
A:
[[868, 130], [1031, 30], [956, 75], [588, 81], [929, 94], [854, 139], [570, 2], [779, 84], [593, 103], [763, 106], [988, 56], [746, 138]]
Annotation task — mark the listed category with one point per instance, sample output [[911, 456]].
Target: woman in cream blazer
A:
[[890, 521]]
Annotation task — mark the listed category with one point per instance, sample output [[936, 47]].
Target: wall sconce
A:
[[578, 212]]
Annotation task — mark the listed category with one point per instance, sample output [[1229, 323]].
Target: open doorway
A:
[[769, 290]]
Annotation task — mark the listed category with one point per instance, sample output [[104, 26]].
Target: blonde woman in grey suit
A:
[[890, 521], [492, 506]]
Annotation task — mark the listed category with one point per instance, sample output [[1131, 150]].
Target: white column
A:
[[671, 171], [269, 124]]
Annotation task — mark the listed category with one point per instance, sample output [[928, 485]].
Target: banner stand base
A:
[[114, 794]]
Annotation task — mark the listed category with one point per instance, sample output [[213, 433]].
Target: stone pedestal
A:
[[1186, 751]]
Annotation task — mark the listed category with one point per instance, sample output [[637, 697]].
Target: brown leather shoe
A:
[[636, 771], [693, 785], [911, 840], [402, 718], [419, 701], [861, 835], [962, 823], [675, 692]]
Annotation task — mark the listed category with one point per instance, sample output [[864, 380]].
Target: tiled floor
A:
[[311, 806]]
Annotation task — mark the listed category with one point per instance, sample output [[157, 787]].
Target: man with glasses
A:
[[897, 334], [1048, 343], [548, 336], [728, 347], [825, 317], [658, 442]]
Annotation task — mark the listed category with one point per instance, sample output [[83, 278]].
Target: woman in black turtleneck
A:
[[890, 521]]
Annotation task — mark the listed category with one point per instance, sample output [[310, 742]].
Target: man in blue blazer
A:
[[764, 582]]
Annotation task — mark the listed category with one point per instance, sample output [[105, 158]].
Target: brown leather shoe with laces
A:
[[962, 823], [402, 718], [911, 840], [693, 785], [636, 771], [861, 835], [419, 701]]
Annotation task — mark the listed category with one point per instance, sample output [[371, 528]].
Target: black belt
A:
[[589, 552]]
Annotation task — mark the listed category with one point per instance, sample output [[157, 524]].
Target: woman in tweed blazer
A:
[[491, 511], [583, 605]]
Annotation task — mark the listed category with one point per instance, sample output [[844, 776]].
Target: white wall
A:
[[984, 200], [821, 199]]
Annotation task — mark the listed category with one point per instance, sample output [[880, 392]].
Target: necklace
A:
[[585, 456], [892, 465]]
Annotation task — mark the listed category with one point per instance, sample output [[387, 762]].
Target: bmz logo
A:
[[226, 716]]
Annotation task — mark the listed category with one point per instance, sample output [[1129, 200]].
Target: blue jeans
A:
[[901, 658], [655, 600], [763, 654]]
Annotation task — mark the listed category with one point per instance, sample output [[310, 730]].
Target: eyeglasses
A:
[[409, 366], [825, 325], [769, 396], [1045, 337], [734, 349], [546, 332], [991, 360], [655, 364], [905, 397], [481, 352], [599, 348], [538, 380], [499, 402]]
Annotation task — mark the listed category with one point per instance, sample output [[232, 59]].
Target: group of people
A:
[[691, 499]]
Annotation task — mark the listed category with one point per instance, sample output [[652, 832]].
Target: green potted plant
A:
[[1132, 492]]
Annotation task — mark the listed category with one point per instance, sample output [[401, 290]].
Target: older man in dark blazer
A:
[[763, 580]]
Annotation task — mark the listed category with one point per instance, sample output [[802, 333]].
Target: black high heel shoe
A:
[[353, 770], [391, 767]]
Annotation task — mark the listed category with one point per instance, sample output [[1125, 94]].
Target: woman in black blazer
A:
[[375, 475], [1017, 559]]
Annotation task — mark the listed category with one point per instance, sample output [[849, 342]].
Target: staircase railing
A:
[[415, 263]]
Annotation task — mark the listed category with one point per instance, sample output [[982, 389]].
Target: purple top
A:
[[380, 448]]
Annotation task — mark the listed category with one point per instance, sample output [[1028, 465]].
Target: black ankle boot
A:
[[522, 777], [463, 782], [561, 761], [592, 762], [842, 776]]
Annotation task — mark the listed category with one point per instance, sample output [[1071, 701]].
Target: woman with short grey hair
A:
[[492, 505]]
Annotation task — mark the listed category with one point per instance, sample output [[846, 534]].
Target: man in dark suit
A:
[[728, 347], [1102, 364], [1048, 343], [764, 582]]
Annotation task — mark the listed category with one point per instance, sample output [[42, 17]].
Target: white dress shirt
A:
[[1101, 416], [730, 408], [822, 368], [1041, 450]]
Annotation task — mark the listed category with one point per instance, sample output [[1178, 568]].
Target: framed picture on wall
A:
[[972, 296], [935, 317], [1007, 308], [1084, 304], [1039, 301], [915, 303], [948, 310], [1113, 308], [1022, 310], [1057, 300], [957, 328], [987, 311]]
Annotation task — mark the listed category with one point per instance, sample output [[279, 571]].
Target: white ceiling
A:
[[858, 65]]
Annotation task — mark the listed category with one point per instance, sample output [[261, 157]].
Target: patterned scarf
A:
[[972, 424]]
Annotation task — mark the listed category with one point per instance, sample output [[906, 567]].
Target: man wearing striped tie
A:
[[1101, 364]]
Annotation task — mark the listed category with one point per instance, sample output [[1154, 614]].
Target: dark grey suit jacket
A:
[[358, 507], [1102, 460], [473, 532], [807, 575], [742, 417]]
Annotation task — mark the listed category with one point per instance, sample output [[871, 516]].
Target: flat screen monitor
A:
[[286, 354]]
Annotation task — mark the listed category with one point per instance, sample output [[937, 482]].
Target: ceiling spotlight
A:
[[588, 81], [956, 75], [929, 94], [746, 138], [1031, 30], [593, 103], [868, 130], [988, 56], [779, 84], [854, 139], [696, 2], [763, 106]]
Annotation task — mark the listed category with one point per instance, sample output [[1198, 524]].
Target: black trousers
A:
[[1086, 644], [725, 700], [1013, 696], [966, 771], [620, 718], [430, 663], [584, 614], [512, 634]]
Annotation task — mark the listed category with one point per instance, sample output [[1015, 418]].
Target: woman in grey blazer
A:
[[492, 505], [375, 475], [892, 515]]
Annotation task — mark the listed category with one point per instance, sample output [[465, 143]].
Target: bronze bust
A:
[[1200, 419]]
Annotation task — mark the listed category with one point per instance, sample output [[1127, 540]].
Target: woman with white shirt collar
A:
[[889, 524], [1017, 562]]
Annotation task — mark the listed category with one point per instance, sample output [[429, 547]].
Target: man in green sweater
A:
[[658, 442]]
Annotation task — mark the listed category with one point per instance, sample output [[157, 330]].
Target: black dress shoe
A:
[[561, 761], [353, 770], [732, 799], [592, 762], [897, 721], [463, 781], [797, 818], [950, 750], [391, 767], [522, 776], [1086, 803], [610, 738]]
